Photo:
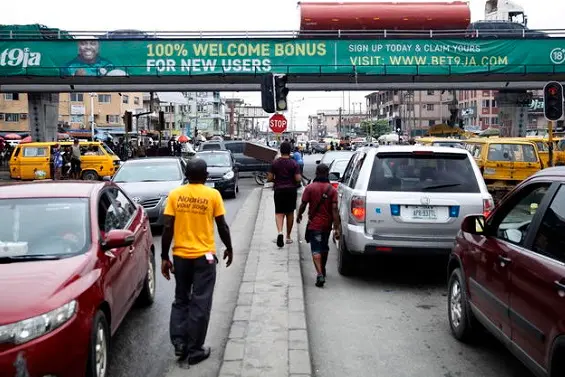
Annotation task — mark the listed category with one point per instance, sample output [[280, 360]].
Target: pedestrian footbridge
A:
[[82, 62]]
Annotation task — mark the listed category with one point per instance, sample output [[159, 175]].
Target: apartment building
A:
[[207, 112], [416, 109], [74, 110], [335, 123], [478, 108]]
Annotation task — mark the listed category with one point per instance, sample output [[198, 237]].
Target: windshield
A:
[[150, 171], [56, 227], [512, 152], [216, 159], [334, 155], [339, 166], [108, 149], [437, 172], [452, 144]]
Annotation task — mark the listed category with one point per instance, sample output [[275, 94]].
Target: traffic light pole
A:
[[550, 142]]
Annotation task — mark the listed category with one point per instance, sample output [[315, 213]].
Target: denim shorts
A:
[[319, 242]]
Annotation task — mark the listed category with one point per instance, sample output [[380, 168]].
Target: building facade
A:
[[74, 110], [207, 113], [335, 123]]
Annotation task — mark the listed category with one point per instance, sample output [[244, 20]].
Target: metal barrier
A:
[[283, 34]]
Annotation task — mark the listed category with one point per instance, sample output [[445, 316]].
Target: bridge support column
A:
[[513, 112], [43, 115]]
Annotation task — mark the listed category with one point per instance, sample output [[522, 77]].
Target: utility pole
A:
[[340, 123]]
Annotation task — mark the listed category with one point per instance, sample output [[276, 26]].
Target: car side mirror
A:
[[334, 176], [317, 162], [473, 224], [117, 238], [107, 178], [513, 235]]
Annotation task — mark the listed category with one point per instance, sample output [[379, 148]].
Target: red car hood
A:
[[26, 287]]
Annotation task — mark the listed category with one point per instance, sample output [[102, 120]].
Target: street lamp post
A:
[[92, 95]]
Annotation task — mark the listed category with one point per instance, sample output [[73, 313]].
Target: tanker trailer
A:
[[331, 16]]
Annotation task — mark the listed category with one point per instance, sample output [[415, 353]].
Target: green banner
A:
[[251, 56]]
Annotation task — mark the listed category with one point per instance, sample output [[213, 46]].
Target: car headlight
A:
[[229, 175], [29, 329], [164, 205]]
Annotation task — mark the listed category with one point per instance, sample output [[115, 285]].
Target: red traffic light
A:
[[553, 91]]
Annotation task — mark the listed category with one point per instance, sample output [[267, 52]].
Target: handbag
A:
[[308, 233]]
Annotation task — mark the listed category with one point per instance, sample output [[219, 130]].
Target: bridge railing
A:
[[55, 34]]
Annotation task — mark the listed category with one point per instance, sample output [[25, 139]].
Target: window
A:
[[113, 119], [430, 107], [35, 152], [11, 117], [356, 169], [514, 225], [11, 96], [211, 147], [235, 147], [77, 118], [115, 211], [549, 240], [77, 97], [431, 92], [125, 99], [512, 152], [431, 123], [104, 98], [434, 173], [136, 100]]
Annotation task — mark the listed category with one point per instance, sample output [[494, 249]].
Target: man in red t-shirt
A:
[[321, 198]]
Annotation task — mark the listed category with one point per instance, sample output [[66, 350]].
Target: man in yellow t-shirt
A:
[[190, 214]]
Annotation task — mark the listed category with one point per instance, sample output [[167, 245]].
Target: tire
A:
[[147, 295], [260, 178], [99, 347], [90, 175], [462, 322], [345, 261]]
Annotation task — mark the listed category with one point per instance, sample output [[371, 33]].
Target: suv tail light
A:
[[335, 184], [488, 206], [358, 208]]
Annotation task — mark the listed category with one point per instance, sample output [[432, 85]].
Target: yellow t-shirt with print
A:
[[195, 208]]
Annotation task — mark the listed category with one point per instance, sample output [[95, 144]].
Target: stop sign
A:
[[277, 123]]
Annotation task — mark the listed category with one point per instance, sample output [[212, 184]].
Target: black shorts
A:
[[75, 166], [285, 200]]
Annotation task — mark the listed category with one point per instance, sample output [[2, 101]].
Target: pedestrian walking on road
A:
[[189, 221], [321, 199], [285, 173]]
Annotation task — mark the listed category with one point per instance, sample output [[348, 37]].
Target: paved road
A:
[[391, 321], [141, 346]]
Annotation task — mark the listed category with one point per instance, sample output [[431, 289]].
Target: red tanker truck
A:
[[327, 16]]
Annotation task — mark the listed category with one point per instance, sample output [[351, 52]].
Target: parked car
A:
[[223, 174], [148, 182], [406, 200], [74, 258], [337, 167], [507, 274], [245, 164], [329, 156]]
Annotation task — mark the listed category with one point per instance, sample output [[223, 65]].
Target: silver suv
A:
[[406, 200]]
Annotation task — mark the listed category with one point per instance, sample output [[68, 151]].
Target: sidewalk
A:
[[268, 335]]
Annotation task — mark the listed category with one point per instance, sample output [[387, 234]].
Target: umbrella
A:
[[26, 139], [183, 139], [12, 137]]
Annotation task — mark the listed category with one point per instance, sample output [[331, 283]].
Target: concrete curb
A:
[[268, 336]]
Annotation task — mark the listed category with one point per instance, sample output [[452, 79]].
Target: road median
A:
[[268, 335]]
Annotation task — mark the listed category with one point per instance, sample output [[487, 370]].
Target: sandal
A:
[[289, 241]]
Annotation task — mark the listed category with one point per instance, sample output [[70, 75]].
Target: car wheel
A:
[[90, 175], [147, 296], [97, 365], [461, 318], [346, 261]]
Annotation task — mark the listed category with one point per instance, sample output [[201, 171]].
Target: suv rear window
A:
[[512, 152], [433, 172]]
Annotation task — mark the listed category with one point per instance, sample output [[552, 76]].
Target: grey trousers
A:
[[190, 313]]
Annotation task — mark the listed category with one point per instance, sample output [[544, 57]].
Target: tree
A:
[[379, 127]]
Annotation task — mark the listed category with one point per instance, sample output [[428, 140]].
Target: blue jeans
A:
[[319, 242]]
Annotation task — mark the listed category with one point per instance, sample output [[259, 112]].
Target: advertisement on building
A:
[[245, 56]]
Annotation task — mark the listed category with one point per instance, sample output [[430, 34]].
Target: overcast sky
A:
[[240, 15]]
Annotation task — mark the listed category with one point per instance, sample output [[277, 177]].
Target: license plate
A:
[[210, 184], [424, 213]]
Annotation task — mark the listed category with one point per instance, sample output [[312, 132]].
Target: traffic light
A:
[[128, 121], [161, 125], [281, 91], [553, 101], [398, 125], [268, 93]]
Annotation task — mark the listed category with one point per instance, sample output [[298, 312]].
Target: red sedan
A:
[[74, 258]]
